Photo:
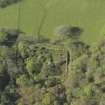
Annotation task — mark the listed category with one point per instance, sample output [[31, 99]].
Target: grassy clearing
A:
[[87, 14]]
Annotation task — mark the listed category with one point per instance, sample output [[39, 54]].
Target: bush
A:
[[8, 37], [5, 3], [51, 81], [68, 31]]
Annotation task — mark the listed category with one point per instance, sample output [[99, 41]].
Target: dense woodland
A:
[[37, 71]]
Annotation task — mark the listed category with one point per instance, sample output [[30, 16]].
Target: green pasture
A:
[[87, 14]]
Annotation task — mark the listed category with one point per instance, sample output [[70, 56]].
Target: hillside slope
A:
[[88, 14]]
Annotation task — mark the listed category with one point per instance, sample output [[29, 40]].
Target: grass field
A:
[[87, 14]]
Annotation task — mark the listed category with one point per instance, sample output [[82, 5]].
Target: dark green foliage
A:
[[4, 76], [51, 82], [5, 3], [34, 73], [73, 32], [78, 48], [9, 96], [8, 37]]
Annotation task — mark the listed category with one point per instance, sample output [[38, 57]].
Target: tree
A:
[[5, 3], [33, 66], [68, 31], [23, 49], [51, 82], [23, 81], [4, 76], [9, 37], [48, 99], [9, 96], [102, 101]]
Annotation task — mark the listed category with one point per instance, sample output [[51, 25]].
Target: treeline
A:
[[39, 72]]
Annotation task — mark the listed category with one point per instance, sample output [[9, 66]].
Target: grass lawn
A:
[[87, 14]]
